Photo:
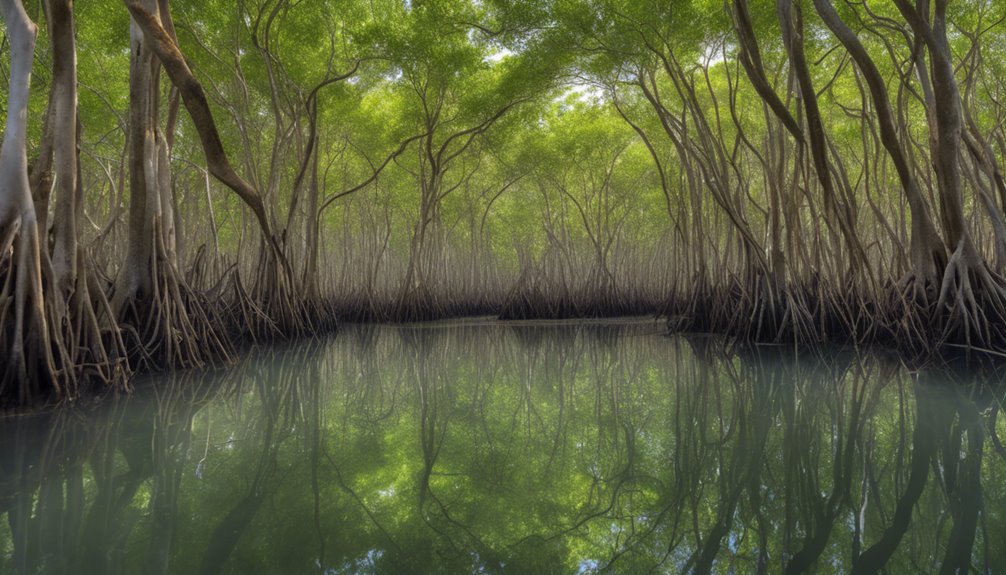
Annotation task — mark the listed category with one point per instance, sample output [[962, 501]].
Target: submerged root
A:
[[171, 327], [275, 307], [535, 296], [972, 303], [54, 343], [34, 353], [245, 313], [96, 352], [809, 312]]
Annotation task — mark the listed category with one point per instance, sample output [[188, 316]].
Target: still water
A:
[[509, 448]]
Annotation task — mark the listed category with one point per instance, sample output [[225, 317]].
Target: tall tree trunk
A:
[[791, 21], [64, 94], [276, 290], [312, 224], [750, 58], [173, 327], [927, 251], [948, 117], [29, 361], [136, 277]]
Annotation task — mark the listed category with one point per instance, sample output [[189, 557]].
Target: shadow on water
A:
[[516, 448]]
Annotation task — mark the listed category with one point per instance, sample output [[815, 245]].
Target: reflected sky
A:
[[516, 448]]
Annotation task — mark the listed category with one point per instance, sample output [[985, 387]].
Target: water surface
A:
[[516, 448]]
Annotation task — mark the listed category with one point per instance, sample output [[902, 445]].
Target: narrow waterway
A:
[[474, 447]]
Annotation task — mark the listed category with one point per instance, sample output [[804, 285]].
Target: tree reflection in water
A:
[[516, 448]]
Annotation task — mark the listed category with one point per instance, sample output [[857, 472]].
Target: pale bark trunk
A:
[[137, 274], [40, 177], [15, 194], [65, 222], [18, 224], [312, 223], [194, 98], [166, 200]]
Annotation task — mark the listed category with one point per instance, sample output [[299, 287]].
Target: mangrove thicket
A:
[[177, 177]]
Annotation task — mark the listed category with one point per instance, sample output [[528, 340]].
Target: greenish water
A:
[[466, 448]]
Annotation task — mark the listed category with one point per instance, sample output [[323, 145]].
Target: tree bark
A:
[[791, 21], [29, 356], [750, 58], [927, 252], [949, 121], [194, 98], [137, 274], [64, 94]]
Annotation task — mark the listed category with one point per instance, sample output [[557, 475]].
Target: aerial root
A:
[[173, 326], [246, 314], [972, 302], [25, 337]]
